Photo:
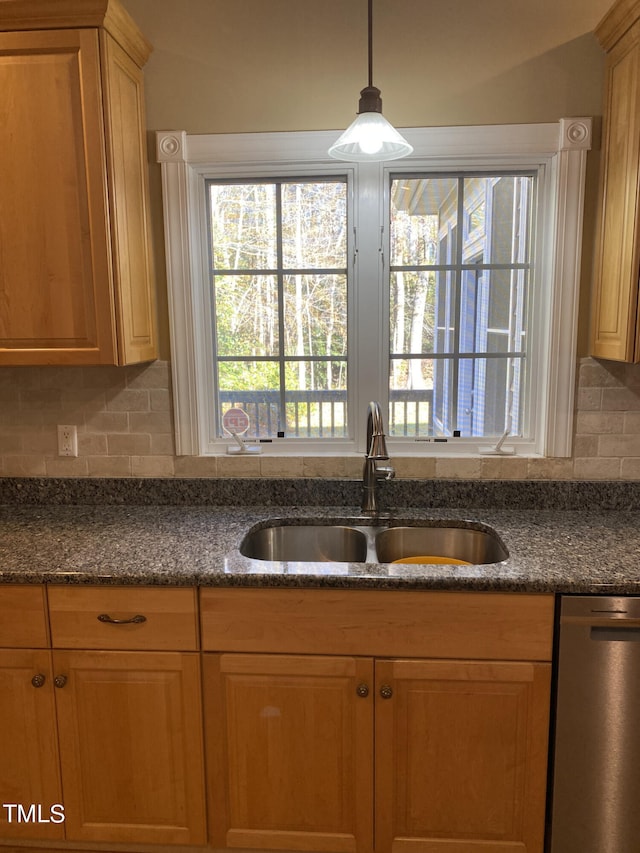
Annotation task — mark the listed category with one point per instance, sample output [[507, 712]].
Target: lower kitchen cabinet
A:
[[290, 758], [29, 765], [458, 748], [344, 721], [109, 738], [130, 730], [461, 756]]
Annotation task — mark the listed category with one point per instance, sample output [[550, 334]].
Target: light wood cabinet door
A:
[[461, 750], [76, 277], [29, 767], [56, 305], [615, 297], [130, 729], [290, 752]]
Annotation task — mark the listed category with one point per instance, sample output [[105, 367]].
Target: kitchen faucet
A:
[[376, 452]]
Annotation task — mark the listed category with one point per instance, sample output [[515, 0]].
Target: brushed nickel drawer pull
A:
[[60, 680], [135, 620], [38, 680]]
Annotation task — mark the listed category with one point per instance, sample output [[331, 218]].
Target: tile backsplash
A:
[[125, 429]]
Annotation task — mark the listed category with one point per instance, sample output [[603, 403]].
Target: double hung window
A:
[[444, 286]]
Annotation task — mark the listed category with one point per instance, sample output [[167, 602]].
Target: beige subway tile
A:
[[458, 467], [152, 422], [155, 375], [109, 466], [160, 399], [105, 377], [630, 468], [66, 466], [33, 419], [585, 446], [620, 399], [632, 375], [129, 400], [245, 465], [599, 423], [619, 445], [43, 441], [334, 467], [196, 466], [632, 423], [162, 444], [589, 399], [281, 466], [353, 466], [128, 444], [61, 378], [601, 374], [504, 468], [152, 466], [24, 466], [20, 377], [596, 469], [107, 422], [550, 468], [414, 467], [39, 399], [9, 396], [11, 441], [86, 400], [10, 418], [92, 444]]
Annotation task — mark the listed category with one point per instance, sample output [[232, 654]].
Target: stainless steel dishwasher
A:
[[596, 776]]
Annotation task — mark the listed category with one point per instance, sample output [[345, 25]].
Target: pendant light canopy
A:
[[370, 138]]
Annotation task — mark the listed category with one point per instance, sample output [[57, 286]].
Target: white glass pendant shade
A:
[[370, 138]]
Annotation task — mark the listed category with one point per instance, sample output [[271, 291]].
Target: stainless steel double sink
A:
[[437, 541]]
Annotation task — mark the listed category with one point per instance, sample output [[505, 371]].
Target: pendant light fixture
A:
[[370, 137]]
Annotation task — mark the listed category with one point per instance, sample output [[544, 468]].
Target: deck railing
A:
[[323, 414]]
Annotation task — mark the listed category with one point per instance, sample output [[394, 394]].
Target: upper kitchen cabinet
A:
[[616, 324], [76, 272]]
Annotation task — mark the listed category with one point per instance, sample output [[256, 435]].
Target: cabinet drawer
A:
[[473, 625], [123, 618], [23, 619]]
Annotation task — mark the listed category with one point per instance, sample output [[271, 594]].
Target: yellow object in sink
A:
[[433, 559]]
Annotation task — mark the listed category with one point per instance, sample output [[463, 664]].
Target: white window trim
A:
[[187, 159]]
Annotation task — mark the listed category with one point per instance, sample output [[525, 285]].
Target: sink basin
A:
[[459, 543], [309, 543], [370, 543]]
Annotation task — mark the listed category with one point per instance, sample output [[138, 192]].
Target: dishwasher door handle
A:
[[624, 634]]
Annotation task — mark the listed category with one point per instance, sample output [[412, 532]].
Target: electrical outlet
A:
[[67, 440]]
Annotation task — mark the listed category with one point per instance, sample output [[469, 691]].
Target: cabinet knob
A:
[[60, 680], [38, 680], [362, 690], [386, 691]]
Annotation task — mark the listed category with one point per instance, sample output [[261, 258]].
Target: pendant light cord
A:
[[370, 43]]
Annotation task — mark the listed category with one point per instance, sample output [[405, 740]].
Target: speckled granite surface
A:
[[550, 550], [272, 492]]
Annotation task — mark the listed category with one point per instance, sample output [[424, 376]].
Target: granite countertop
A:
[[550, 550]]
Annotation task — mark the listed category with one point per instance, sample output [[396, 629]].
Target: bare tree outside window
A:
[[278, 253]]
